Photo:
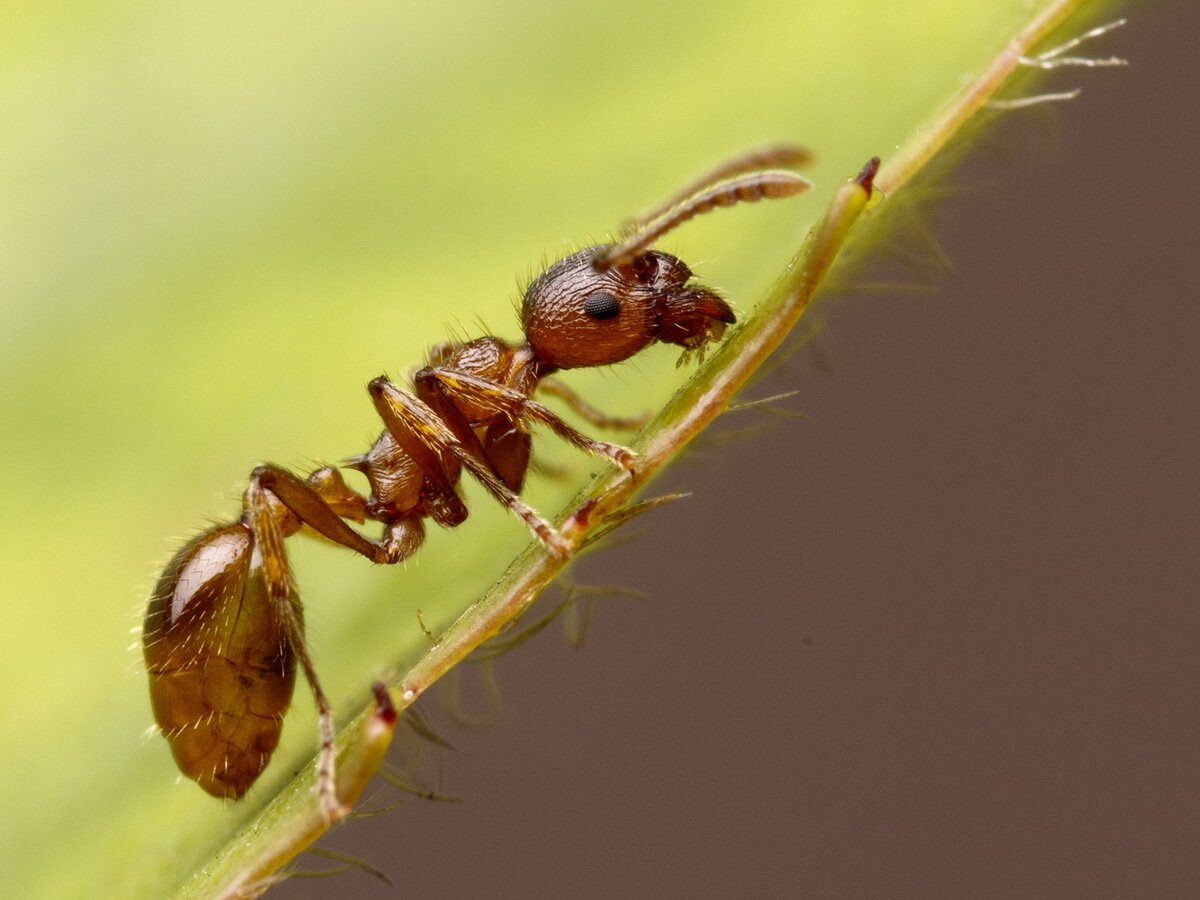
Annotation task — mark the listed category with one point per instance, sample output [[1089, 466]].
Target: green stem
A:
[[931, 138]]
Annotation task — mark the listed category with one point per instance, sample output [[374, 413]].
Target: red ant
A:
[[224, 627]]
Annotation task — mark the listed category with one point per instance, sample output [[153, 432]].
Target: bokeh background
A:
[[935, 638]]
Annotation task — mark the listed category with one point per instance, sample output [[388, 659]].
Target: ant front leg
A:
[[426, 435], [516, 406]]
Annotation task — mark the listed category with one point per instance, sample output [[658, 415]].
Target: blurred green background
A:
[[220, 221]]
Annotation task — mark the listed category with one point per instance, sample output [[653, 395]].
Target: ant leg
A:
[[413, 423], [780, 156], [517, 406], [590, 414], [315, 512], [507, 450], [268, 537], [337, 495], [505, 447]]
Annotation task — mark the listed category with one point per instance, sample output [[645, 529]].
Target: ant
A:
[[224, 627]]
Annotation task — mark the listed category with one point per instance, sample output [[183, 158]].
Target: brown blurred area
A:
[[938, 638]]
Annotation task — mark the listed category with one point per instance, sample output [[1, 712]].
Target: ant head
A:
[[604, 304], [577, 314]]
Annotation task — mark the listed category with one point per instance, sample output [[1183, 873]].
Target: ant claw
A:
[[624, 457], [558, 543], [577, 523], [332, 810]]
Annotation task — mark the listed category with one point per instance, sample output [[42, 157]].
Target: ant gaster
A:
[[224, 627]]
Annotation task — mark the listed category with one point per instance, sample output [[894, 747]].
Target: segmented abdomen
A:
[[221, 670]]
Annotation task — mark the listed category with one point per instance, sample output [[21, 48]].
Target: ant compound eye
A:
[[645, 267], [601, 305]]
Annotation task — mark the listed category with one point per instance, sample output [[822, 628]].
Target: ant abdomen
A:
[[221, 668]]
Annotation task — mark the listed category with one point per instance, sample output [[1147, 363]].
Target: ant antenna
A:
[[777, 156], [747, 189]]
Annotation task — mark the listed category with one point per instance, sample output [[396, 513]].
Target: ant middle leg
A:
[[513, 405], [416, 426]]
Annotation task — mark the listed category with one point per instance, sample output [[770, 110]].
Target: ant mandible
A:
[[224, 627]]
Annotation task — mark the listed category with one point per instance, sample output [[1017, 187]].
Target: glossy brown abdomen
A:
[[221, 670]]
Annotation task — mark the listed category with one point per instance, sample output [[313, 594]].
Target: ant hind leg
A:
[[590, 414], [269, 538], [320, 502], [323, 512]]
